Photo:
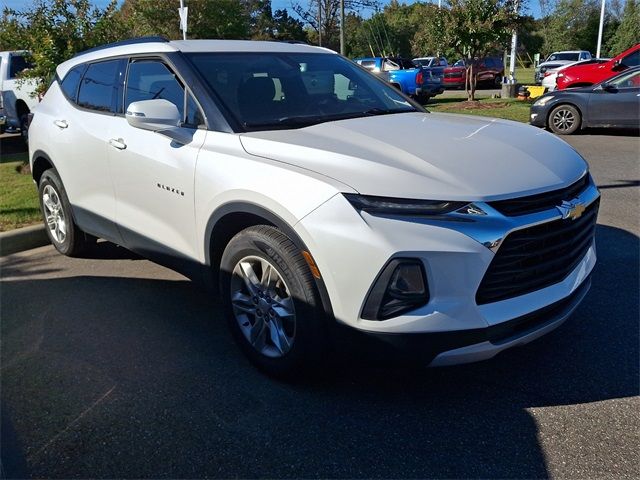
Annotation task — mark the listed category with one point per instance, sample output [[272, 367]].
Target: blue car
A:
[[405, 75]]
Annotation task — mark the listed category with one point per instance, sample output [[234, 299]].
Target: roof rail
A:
[[130, 41], [295, 42]]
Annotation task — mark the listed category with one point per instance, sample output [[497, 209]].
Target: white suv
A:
[[320, 200]]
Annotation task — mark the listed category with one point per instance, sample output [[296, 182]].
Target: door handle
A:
[[61, 123], [118, 143]]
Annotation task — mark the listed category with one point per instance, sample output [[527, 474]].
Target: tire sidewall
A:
[[575, 126], [51, 177], [309, 336]]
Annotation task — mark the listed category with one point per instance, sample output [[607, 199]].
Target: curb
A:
[[22, 239]]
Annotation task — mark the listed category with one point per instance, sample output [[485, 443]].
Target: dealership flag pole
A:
[[600, 29], [514, 46], [183, 12]]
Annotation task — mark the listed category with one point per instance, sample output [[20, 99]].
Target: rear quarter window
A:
[[71, 82]]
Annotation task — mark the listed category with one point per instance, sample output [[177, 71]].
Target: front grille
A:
[[453, 75], [541, 201], [536, 257]]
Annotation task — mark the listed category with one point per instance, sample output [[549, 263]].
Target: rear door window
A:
[[99, 86]]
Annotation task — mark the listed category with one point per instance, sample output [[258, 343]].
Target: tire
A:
[[62, 231], [497, 81], [564, 120], [278, 324], [24, 131]]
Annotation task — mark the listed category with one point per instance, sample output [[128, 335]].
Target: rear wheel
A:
[[564, 120], [61, 229], [271, 302]]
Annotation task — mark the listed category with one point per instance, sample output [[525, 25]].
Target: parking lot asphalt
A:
[[113, 366]]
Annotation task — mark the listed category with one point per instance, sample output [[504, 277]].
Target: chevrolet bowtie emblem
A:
[[573, 209]]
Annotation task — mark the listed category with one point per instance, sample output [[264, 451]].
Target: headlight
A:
[[542, 101], [401, 206]]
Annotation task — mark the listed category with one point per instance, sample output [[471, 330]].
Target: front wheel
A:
[[564, 120], [61, 229], [271, 302]]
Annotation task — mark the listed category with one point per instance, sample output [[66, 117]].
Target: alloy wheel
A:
[[263, 306], [54, 214], [563, 119]]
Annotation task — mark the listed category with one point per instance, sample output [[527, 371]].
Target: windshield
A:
[[564, 56], [266, 91]]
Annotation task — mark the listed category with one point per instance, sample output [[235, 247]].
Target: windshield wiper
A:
[[387, 111], [315, 119]]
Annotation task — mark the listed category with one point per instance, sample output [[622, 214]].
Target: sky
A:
[[533, 6]]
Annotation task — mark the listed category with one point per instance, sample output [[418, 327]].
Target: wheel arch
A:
[[21, 107], [40, 163], [233, 217]]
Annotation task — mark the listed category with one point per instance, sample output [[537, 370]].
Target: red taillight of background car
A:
[[419, 78], [546, 74]]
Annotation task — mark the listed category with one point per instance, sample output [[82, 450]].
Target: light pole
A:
[[600, 29], [319, 23], [342, 45]]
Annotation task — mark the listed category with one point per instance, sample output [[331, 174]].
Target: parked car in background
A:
[[590, 74], [320, 201], [435, 65], [612, 103], [488, 71], [557, 59], [17, 97], [406, 76], [550, 75]]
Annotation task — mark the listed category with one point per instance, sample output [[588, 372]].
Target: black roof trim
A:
[[130, 41]]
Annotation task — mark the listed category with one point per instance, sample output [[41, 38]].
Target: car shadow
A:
[[133, 377]]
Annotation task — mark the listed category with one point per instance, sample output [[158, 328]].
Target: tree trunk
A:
[[472, 81], [472, 84]]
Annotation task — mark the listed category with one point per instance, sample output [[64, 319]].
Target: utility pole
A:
[[342, 45], [319, 23], [600, 29]]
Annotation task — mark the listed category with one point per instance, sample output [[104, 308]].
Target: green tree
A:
[[476, 28], [53, 31], [229, 19], [627, 33], [572, 25]]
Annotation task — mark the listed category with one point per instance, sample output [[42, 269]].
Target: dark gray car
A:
[[612, 103]]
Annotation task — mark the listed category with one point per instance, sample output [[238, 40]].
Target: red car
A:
[[487, 71], [587, 74]]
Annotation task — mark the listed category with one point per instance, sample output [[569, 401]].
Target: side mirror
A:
[[155, 115], [617, 65], [158, 115]]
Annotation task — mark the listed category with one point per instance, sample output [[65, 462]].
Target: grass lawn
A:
[[507, 108], [18, 196], [525, 75]]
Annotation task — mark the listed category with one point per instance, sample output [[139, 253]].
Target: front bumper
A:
[[351, 248], [442, 349], [538, 115]]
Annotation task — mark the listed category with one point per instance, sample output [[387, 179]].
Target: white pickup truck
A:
[[17, 98]]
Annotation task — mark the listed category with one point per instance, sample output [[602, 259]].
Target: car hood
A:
[[426, 156]]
